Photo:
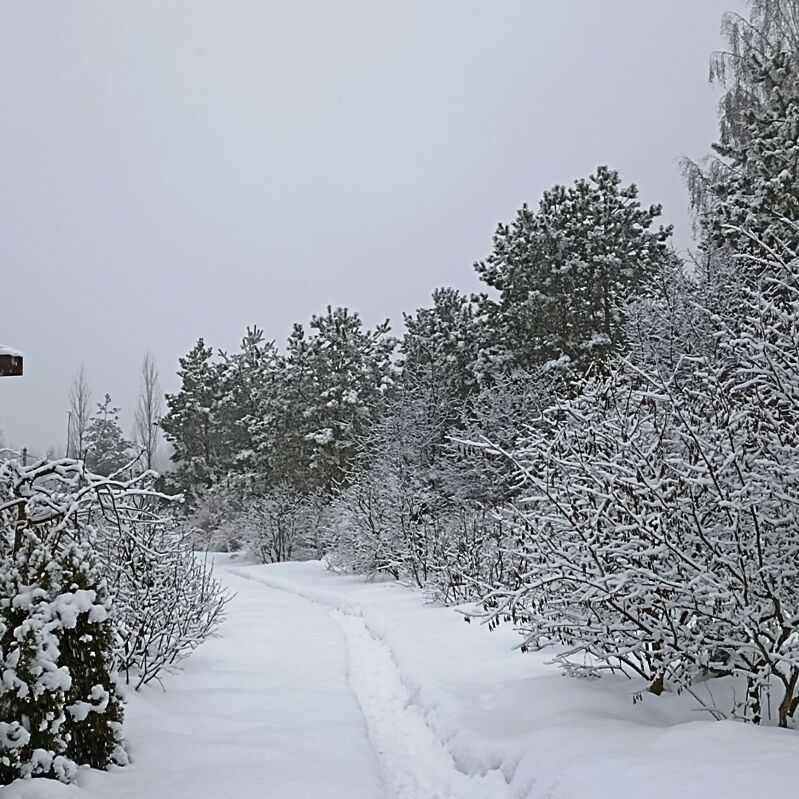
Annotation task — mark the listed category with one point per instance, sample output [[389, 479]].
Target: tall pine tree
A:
[[563, 273], [192, 424]]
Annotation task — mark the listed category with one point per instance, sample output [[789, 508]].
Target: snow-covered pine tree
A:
[[563, 273], [107, 449], [335, 377], [442, 346], [192, 421], [282, 432], [439, 361], [247, 390]]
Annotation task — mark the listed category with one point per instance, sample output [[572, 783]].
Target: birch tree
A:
[[149, 410], [80, 397]]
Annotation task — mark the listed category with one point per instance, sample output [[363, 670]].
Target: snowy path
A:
[[263, 711], [414, 762]]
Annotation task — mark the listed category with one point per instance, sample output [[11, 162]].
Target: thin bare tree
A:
[[80, 397], [149, 409]]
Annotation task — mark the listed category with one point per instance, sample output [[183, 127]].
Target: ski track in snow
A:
[[415, 762]]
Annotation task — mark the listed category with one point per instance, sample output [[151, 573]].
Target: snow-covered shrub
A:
[[360, 535], [71, 602], [58, 697], [475, 475], [281, 525], [583, 525], [657, 526], [421, 503], [34, 682], [387, 520], [166, 599], [479, 480], [214, 522], [475, 556], [88, 642]]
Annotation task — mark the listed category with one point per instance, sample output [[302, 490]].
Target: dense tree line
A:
[[599, 448], [342, 416]]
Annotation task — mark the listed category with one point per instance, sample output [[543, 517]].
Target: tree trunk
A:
[[789, 701]]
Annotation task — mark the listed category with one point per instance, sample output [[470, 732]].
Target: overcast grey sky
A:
[[170, 170]]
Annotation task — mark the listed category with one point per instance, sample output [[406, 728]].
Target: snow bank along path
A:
[[327, 686]]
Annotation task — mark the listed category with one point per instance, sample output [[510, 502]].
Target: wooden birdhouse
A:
[[10, 362]]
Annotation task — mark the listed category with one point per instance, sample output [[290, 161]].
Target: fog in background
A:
[[170, 170]]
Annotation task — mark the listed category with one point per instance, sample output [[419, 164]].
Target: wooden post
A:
[[11, 366]]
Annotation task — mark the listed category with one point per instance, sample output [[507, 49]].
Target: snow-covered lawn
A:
[[326, 686]]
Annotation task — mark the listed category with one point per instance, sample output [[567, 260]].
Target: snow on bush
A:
[[281, 525], [657, 526], [166, 599], [215, 521], [68, 603], [58, 697], [475, 558], [387, 518]]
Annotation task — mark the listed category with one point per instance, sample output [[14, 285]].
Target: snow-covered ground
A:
[[327, 686]]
